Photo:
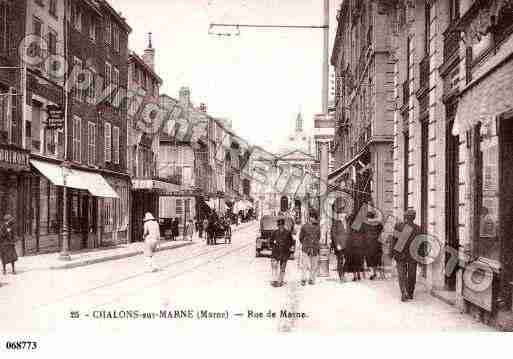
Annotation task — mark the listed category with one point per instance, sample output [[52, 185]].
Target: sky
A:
[[258, 80]]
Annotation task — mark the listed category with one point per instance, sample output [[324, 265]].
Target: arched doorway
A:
[[284, 204]]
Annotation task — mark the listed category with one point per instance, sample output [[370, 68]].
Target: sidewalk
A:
[[88, 257]]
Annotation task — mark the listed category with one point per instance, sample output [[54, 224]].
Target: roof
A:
[[134, 57], [121, 20]]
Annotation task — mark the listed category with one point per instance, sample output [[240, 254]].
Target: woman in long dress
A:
[[355, 251], [8, 244]]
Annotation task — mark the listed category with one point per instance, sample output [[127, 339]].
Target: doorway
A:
[[284, 204], [451, 200], [505, 232]]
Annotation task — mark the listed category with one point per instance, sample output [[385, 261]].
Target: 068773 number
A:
[[20, 345]]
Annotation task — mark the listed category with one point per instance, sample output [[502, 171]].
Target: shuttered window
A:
[[91, 141], [115, 144], [108, 142], [77, 138], [4, 28]]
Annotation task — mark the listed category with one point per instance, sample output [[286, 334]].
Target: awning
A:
[[484, 99], [92, 182]]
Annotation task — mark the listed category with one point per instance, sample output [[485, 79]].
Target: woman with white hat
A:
[[151, 237]]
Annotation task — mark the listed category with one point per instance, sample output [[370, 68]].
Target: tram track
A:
[[190, 257]]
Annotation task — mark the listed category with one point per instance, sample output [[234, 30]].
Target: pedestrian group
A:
[[355, 245]]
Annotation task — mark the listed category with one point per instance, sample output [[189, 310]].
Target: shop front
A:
[[485, 117], [14, 180], [86, 191]]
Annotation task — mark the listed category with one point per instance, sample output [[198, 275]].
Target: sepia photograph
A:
[[230, 168]]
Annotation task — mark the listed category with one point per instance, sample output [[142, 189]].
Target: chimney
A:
[[185, 96], [149, 53]]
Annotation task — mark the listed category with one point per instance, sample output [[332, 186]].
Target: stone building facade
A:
[[452, 145], [364, 104]]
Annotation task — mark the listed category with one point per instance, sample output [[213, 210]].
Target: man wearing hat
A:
[[151, 237], [310, 236], [282, 243], [8, 244], [404, 234]]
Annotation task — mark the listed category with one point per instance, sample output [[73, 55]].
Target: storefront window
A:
[[43, 209], [489, 245], [49, 208]]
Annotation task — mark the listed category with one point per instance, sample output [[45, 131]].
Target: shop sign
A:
[[13, 157], [55, 117]]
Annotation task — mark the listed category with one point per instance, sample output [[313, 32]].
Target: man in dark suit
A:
[[282, 243], [403, 237]]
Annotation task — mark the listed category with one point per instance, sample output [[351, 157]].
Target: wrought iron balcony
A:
[[406, 92], [424, 73], [451, 44]]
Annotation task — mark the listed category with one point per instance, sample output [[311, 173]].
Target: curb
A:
[[128, 254], [114, 257]]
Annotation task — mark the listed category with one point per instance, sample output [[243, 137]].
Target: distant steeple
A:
[[149, 53], [299, 122]]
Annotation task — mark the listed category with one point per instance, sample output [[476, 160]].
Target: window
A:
[[488, 210], [77, 137], [108, 142], [4, 108], [92, 29], [115, 144], [52, 42], [108, 32], [454, 9], [4, 26], [77, 18], [91, 143], [115, 33], [91, 92], [50, 207], [115, 81], [427, 27], [50, 141], [179, 206], [144, 79], [136, 73], [52, 7], [108, 77], [33, 132], [77, 93], [37, 30]]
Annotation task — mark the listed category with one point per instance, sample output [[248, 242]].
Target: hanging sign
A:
[[55, 117]]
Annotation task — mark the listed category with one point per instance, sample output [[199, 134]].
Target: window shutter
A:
[[115, 140], [108, 143]]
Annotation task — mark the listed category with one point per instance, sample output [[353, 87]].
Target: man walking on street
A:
[[282, 243], [339, 237], [404, 234], [310, 236]]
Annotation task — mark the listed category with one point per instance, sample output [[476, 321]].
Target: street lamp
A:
[[64, 254]]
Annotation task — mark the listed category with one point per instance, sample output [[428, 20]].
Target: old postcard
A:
[[240, 167]]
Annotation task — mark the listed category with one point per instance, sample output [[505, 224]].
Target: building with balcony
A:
[[364, 113], [14, 157], [143, 138], [183, 149]]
